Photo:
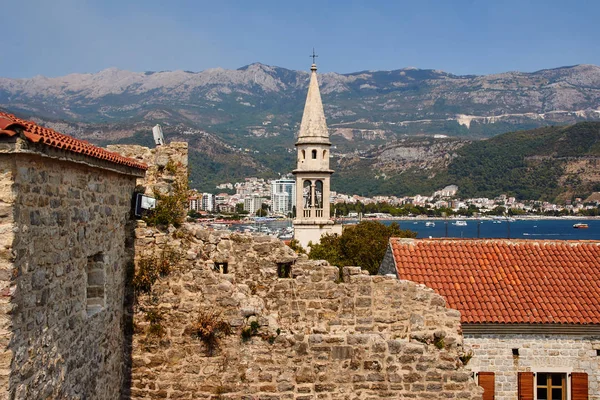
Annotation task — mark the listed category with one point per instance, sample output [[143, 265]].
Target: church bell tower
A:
[[313, 175]]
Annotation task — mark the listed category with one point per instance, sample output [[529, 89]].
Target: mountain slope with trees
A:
[[550, 163]]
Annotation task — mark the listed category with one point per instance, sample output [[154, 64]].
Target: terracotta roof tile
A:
[[38, 134], [507, 281]]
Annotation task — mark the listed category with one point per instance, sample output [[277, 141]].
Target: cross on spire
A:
[[313, 55]]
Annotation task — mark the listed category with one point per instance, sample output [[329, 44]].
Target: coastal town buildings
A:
[[529, 309], [283, 196], [253, 203]]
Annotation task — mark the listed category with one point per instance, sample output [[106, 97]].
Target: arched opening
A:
[[303, 154], [306, 194], [314, 154], [319, 194], [324, 154]]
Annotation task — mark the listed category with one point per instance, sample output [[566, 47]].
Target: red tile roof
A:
[[507, 281], [9, 124]]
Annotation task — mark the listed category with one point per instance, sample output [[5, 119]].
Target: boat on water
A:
[[460, 223], [580, 225], [430, 223]]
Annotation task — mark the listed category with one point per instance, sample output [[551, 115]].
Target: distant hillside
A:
[[546, 163], [243, 122], [551, 163]]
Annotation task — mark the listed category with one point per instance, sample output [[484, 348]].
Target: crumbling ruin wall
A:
[[167, 164], [315, 335]]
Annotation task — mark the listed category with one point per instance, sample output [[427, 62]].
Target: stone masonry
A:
[[537, 353], [166, 164], [314, 335], [62, 273]]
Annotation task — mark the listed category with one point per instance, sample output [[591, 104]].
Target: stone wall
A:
[[62, 277], [537, 353], [315, 335], [166, 164]]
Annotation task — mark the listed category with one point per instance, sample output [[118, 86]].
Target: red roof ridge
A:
[[39, 134]]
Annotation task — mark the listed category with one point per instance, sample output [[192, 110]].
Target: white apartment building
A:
[[208, 202], [283, 196], [253, 203]]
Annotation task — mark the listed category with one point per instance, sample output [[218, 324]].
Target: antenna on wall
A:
[[159, 139]]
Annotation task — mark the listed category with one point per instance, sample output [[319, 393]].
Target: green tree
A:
[[361, 245], [171, 208]]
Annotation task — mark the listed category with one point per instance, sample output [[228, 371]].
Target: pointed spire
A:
[[313, 128]]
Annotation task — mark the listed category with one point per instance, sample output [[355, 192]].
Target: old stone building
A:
[[529, 309], [64, 206], [243, 317]]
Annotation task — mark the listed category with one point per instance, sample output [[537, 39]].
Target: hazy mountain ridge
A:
[[389, 100]]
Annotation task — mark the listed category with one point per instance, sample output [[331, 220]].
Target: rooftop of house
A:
[[507, 281], [11, 125]]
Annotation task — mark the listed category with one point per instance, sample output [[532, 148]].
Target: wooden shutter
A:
[[526, 385], [487, 380], [579, 386]]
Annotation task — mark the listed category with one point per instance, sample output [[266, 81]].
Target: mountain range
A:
[[243, 122]]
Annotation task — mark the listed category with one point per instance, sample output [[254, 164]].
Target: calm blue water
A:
[[520, 229], [560, 229]]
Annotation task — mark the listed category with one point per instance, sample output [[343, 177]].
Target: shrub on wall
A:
[[149, 269], [210, 328], [171, 207]]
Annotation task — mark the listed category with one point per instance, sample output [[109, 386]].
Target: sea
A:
[[553, 229]]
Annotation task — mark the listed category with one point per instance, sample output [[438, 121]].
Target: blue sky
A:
[[58, 37]]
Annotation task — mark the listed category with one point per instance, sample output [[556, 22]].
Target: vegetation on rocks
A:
[[170, 208], [150, 268], [209, 327]]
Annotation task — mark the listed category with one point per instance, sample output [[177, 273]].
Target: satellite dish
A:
[[158, 135]]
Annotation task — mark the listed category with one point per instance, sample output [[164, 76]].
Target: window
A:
[[551, 386], [303, 154], [324, 154], [314, 154], [319, 194], [284, 270], [221, 267], [95, 285]]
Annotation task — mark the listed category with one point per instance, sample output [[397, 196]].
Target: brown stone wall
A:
[[62, 275], [166, 164], [7, 234], [317, 336]]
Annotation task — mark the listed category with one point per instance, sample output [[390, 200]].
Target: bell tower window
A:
[[314, 154]]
